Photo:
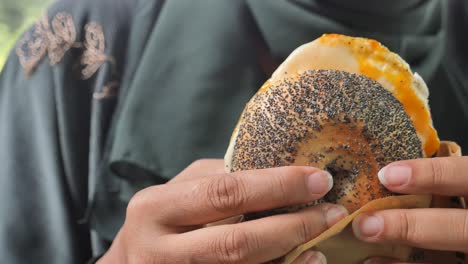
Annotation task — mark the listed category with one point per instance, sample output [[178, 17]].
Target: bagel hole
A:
[[342, 179]]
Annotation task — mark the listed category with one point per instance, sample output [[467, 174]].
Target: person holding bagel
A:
[[115, 116]]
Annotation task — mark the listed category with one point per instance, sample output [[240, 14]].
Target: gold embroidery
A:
[[93, 55], [109, 90], [57, 39], [33, 46], [63, 39], [43, 40]]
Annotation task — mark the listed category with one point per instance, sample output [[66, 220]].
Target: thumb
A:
[[380, 260], [311, 257]]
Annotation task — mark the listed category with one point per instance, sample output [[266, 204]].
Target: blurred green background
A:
[[15, 17]]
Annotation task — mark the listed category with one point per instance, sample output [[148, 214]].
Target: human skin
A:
[[432, 228], [170, 223], [178, 234]]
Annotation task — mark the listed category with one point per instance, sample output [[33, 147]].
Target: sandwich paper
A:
[[339, 245]]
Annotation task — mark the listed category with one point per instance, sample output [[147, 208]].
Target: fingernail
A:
[[376, 261], [395, 175], [370, 261], [369, 225], [315, 257], [320, 182], [334, 214]]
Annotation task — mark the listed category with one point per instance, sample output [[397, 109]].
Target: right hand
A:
[[168, 223]]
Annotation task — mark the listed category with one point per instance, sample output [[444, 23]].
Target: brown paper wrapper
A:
[[339, 245]]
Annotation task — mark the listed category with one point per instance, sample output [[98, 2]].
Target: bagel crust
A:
[[371, 59], [342, 122]]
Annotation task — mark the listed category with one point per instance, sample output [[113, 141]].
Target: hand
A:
[[431, 228], [168, 223]]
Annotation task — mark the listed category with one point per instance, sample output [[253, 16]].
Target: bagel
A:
[[331, 120], [343, 104], [369, 58], [361, 111]]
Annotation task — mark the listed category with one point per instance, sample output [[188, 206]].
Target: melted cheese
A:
[[370, 58]]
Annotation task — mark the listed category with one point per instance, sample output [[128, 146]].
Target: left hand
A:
[[430, 228]]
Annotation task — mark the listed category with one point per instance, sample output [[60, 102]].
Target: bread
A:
[[331, 120], [365, 111], [369, 58], [343, 104]]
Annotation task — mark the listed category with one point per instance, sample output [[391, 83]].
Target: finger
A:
[[439, 229], [311, 257], [199, 169], [379, 260], [255, 241], [221, 196], [443, 176], [231, 220]]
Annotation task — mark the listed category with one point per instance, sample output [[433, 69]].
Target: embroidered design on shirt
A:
[[93, 54], [31, 48], [44, 39], [109, 90], [63, 39]]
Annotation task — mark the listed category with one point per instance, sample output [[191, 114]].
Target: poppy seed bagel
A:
[[342, 122]]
